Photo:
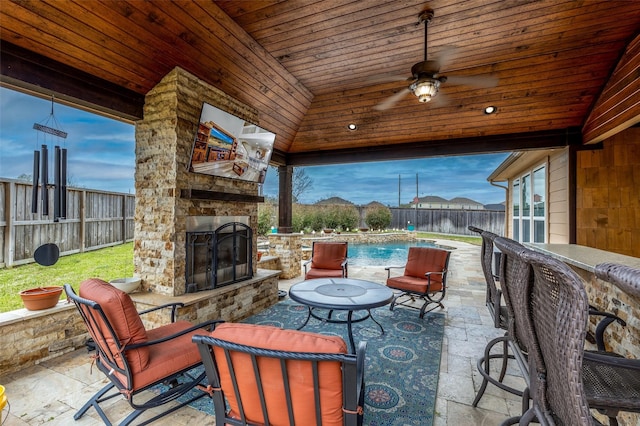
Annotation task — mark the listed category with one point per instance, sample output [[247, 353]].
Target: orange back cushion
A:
[[424, 259], [124, 318], [300, 374], [328, 255]]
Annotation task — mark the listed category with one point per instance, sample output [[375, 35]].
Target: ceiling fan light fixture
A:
[[425, 89]]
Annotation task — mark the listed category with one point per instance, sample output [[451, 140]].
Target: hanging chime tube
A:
[[34, 181], [44, 175], [63, 179], [56, 183]]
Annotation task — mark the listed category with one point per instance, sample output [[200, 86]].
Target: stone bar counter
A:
[[603, 295]]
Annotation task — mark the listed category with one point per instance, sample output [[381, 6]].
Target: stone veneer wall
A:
[[609, 298], [288, 249], [30, 337], [164, 140]]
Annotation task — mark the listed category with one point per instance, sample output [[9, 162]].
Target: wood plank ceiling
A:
[[310, 67]]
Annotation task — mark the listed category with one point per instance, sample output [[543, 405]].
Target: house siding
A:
[[558, 196]]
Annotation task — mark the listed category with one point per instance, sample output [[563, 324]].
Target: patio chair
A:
[[624, 277], [499, 314], [135, 359], [564, 380], [425, 278], [272, 376], [328, 260], [515, 278], [558, 309]]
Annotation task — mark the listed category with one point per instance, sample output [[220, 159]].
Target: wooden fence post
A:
[[83, 220]]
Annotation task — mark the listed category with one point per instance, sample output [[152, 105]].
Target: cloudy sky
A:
[[101, 156]]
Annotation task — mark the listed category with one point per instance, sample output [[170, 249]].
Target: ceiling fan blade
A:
[[391, 100], [483, 81], [440, 100], [444, 57], [385, 79]]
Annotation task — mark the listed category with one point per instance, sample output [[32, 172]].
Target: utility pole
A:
[[417, 200]]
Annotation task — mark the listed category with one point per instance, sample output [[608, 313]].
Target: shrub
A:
[[378, 217], [347, 217], [266, 215]]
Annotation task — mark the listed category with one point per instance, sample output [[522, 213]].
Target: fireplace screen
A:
[[218, 257]]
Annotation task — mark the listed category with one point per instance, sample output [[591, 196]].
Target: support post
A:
[[285, 199]]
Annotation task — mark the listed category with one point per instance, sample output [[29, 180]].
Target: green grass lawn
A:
[[463, 238], [108, 264]]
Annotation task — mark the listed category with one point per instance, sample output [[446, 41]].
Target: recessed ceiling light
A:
[[490, 109], [352, 126]]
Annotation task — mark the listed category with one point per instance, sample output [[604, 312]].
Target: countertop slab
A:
[[582, 256]]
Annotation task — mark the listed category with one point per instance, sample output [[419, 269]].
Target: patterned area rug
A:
[[402, 365]]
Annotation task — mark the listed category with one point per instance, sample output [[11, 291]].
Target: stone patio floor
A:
[[52, 391]]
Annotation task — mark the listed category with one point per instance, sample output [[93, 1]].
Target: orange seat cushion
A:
[[123, 316], [416, 285], [148, 364], [299, 372], [168, 357], [323, 273], [328, 255]]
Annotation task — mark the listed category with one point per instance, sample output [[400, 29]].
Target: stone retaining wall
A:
[[30, 337]]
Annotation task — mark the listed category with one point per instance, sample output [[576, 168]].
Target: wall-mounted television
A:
[[228, 146]]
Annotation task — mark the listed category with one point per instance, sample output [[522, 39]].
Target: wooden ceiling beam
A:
[[461, 146], [26, 70]]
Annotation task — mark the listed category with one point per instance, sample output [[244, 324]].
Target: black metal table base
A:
[[349, 321]]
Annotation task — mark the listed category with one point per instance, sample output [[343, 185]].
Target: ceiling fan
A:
[[425, 77]]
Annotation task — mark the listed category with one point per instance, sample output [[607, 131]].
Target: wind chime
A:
[[41, 171]]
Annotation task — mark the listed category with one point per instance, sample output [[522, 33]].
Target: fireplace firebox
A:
[[218, 252]]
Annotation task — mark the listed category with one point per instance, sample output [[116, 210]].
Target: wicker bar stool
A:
[[500, 315], [565, 381], [607, 372]]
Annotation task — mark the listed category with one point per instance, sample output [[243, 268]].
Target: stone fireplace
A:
[[177, 211]]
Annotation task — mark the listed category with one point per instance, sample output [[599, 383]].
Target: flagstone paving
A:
[[52, 391]]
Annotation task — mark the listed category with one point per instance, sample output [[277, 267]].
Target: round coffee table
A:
[[341, 294]]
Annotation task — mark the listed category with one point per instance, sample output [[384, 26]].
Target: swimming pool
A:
[[383, 254]]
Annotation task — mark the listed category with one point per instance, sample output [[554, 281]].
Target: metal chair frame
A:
[[93, 314], [428, 296]]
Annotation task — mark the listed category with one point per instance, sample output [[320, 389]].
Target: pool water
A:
[[383, 254]]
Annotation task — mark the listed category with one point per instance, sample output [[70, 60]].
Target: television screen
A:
[[228, 146]]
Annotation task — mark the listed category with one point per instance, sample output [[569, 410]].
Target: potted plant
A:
[[35, 299]]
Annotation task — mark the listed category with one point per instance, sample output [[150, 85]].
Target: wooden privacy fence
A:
[[447, 221], [95, 219]]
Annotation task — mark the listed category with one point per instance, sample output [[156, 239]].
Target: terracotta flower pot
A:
[[35, 299], [259, 256]]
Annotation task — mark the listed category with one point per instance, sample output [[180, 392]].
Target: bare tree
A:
[[301, 182]]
